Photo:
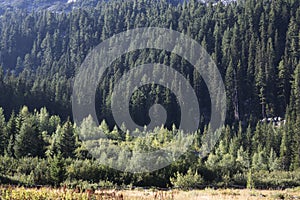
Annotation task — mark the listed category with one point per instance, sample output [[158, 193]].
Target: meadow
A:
[[16, 193]]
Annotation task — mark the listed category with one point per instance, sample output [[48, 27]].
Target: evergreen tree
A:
[[295, 93], [3, 133], [296, 146], [11, 130], [285, 148], [57, 169], [28, 141], [66, 140]]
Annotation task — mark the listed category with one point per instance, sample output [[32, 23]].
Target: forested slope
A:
[[254, 43]]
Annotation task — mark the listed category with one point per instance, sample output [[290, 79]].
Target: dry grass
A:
[[139, 194], [211, 194]]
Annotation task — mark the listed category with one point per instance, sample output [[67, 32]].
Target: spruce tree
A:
[[67, 140], [28, 140], [57, 169], [3, 133]]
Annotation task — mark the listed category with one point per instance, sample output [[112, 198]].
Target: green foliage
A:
[[276, 179], [3, 133], [256, 53], [233, 160], [66, 140], [28, 141], [186, 181], [255, 47], [250, 182], [57, 169]]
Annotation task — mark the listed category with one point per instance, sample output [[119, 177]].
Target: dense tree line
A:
[[37, 148], [254, 43]]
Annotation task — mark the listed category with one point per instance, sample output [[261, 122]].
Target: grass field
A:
[[66, 194]]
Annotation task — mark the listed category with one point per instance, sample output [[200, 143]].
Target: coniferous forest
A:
[[254, 43]]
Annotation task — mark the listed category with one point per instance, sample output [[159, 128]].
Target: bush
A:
[[277, 179], [189, 180], [240, 179]]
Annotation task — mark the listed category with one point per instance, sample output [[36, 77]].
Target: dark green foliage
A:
[[66, 140], [28, 141], [254, 43], [3, 133], [257, 53], [57, 169]]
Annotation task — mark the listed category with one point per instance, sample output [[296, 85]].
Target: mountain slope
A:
[[68, 5], [55, 5]]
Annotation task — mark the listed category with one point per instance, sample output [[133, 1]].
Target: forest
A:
[[254, 43]]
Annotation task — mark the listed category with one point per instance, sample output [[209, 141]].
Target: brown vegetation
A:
[[15, 193]]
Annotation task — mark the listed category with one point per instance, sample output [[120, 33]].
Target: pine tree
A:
[[295, 93], [296, 146], [283, 86], [3, 133], [230, 90], [259, 160], [295, 104], [270, 79], [66, 140], [242, 160], [273, 161], [260, 78], [285, 148], [57, 169], [28, 140]]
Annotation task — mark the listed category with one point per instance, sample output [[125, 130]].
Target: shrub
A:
[[189, 180]]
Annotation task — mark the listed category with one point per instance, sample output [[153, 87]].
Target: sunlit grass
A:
[[13, 193]]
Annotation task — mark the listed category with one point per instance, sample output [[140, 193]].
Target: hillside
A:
[[66, 5], [254, 45], [51, 5]]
